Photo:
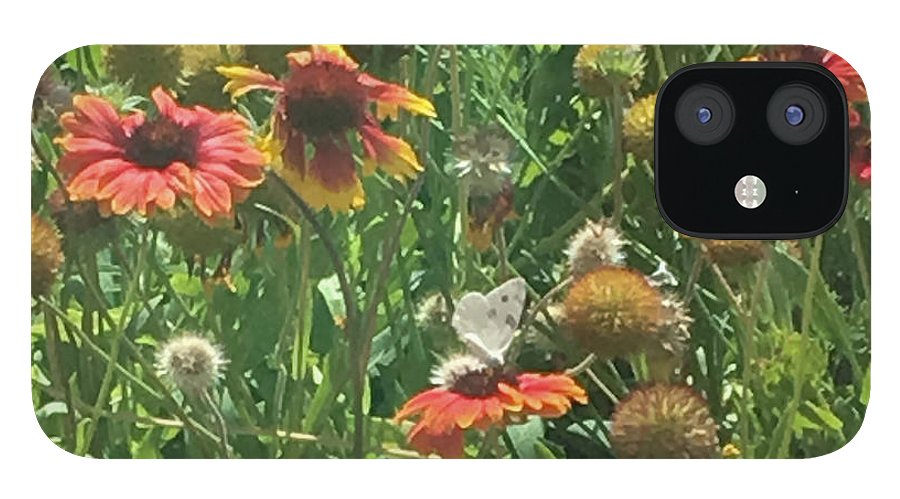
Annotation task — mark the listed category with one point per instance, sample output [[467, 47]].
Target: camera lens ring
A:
[[709, 127], [812, 119]]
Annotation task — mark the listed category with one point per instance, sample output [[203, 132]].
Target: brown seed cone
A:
[[637, 128], [82, 226], [46, 255], [146, 66], [184, 230], [601, 68], [202, 84], [616, 312], [664, 421]]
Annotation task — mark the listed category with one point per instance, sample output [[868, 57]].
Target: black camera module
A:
[[704, 114], [796, 114], [751, 150]]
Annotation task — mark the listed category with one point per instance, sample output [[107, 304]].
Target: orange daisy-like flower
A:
[[322, 100], [140, 162], [473, 395]]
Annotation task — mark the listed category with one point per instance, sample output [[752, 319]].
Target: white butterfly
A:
[[486, 324]]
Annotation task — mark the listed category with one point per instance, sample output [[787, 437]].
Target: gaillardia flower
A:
[[617, 312], [664, 421], [141, 162], [594, 245], [46, 255], [471, 394], [321, 101], [192, 362]]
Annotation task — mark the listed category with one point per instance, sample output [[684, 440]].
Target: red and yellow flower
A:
[[322, 100], [140, 162], [473, 395]]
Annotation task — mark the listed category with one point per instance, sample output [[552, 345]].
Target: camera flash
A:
[[750, 191]]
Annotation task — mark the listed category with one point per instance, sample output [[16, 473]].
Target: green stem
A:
[[488, 443], [118, 333], [748, 353], [361, 340], [58, 374], [805, 323], [455, 93], [861, 254], [301, 340], [220, 421], [618, 104], [660, 64]]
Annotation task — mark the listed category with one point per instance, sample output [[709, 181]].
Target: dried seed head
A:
[[664, 421], [146, 66], [595, 245], [617, 312], [46, 255], [602, 68], [637, 128], [192, 362], [484, 160]]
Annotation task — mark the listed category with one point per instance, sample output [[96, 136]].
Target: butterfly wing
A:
[[487, 323]]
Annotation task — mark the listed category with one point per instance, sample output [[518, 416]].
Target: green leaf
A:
[[526, 436], [866, 387], [186, 285], [826, 416]]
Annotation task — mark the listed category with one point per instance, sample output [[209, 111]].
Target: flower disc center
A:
[[483, 382], [317, 114], [160, 142]]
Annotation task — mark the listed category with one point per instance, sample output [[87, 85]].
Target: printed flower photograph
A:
[[418, 252]]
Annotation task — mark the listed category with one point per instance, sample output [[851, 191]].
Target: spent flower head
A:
[[193, 363]]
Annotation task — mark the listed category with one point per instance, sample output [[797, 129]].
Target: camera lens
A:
[[704, 114], [794, 115]]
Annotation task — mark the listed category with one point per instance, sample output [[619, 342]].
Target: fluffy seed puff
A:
[[664, 421], [618, 312], [193, 363], [596, 244]]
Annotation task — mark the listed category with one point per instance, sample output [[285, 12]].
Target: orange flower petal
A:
[[93, 117], [390, 96], [391, 154], [447, 445]]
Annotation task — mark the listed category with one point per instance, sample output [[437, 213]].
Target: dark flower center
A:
[[483, 382], [159, 142], [317, 115]]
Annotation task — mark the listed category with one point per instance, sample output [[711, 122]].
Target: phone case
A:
[[416, 251]]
